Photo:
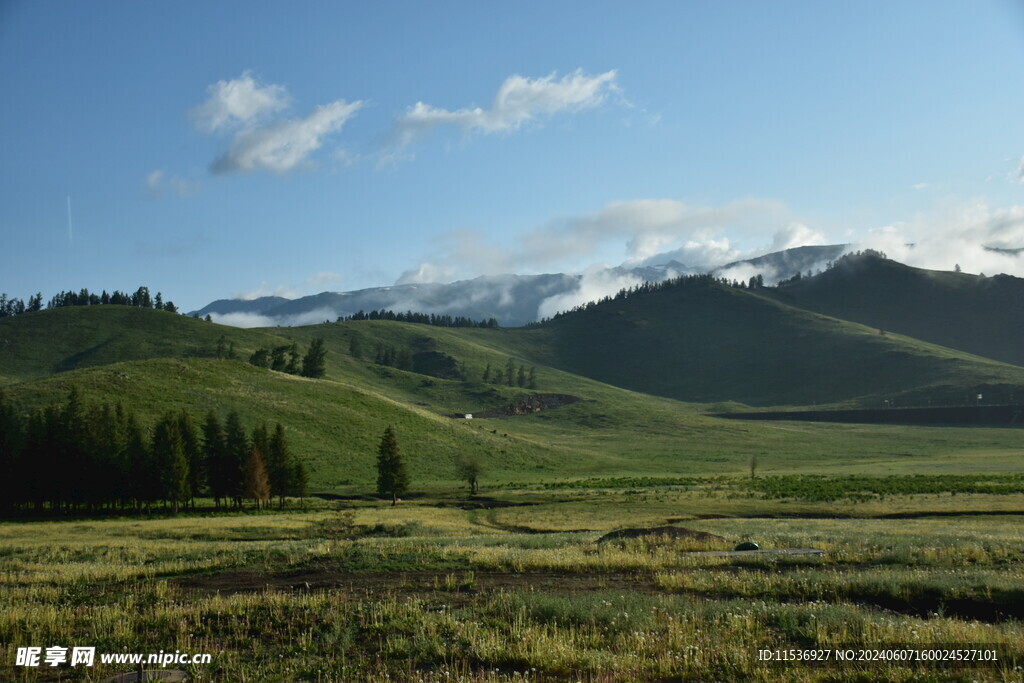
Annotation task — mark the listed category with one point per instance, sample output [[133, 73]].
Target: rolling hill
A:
[[972, 313], [701, 341]]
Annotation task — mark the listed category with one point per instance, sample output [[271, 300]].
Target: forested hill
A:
[[973, 313]]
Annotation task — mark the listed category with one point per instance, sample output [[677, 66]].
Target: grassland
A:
[[518, 587], [920, 525]]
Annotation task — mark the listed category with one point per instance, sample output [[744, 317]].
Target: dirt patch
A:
[[673, 532], [527, 405]]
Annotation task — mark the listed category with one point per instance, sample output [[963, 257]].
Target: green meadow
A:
[[919, 526], [360, 590]]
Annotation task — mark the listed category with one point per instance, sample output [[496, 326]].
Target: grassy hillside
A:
[[334, 426], [980, 315], [334, 423], [36, 345], [702, 341]]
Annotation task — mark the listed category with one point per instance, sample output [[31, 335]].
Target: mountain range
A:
[[513, 300]]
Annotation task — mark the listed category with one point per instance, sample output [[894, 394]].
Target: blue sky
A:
[[218, 149]]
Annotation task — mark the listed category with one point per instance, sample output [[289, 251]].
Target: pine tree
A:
[[143, 485], [10, 452], [521, 376], [279, 465], [194, 454], [277, 360], [215, 454], [294, 366], [531, 382], [510, 370], [313, 364], [392, 477], [168, 456], [237, 453], [257, 484], [487, 374], [298, 480], [260, 358]]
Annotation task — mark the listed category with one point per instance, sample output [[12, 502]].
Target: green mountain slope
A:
[[979, 315], [699, 340]]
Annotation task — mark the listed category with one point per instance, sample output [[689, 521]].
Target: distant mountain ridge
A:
[[514, 300]]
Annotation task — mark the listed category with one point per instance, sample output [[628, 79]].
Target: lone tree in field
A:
[[469, 471], [392, 477]]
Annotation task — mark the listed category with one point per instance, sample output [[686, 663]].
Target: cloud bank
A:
[[595, 283], [975, 236], [314, 317], [643, 228]]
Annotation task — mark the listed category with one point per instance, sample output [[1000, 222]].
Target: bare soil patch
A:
[[527, 405]]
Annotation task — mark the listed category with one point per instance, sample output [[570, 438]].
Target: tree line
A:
[[140, 298], [285, 358], [69, 457], [645, 288], [420, 318], [510, 377]]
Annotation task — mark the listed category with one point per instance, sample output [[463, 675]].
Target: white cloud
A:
[[426, 273], [742, 272], [283, 145], [246, 109], [596, 283], [263, 290], [955, 234], [642, 229], [238, 103], [648, 226], [257, 320], [699, 254], [518, 101], [795, 235], [159, 184], [921, 186]]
